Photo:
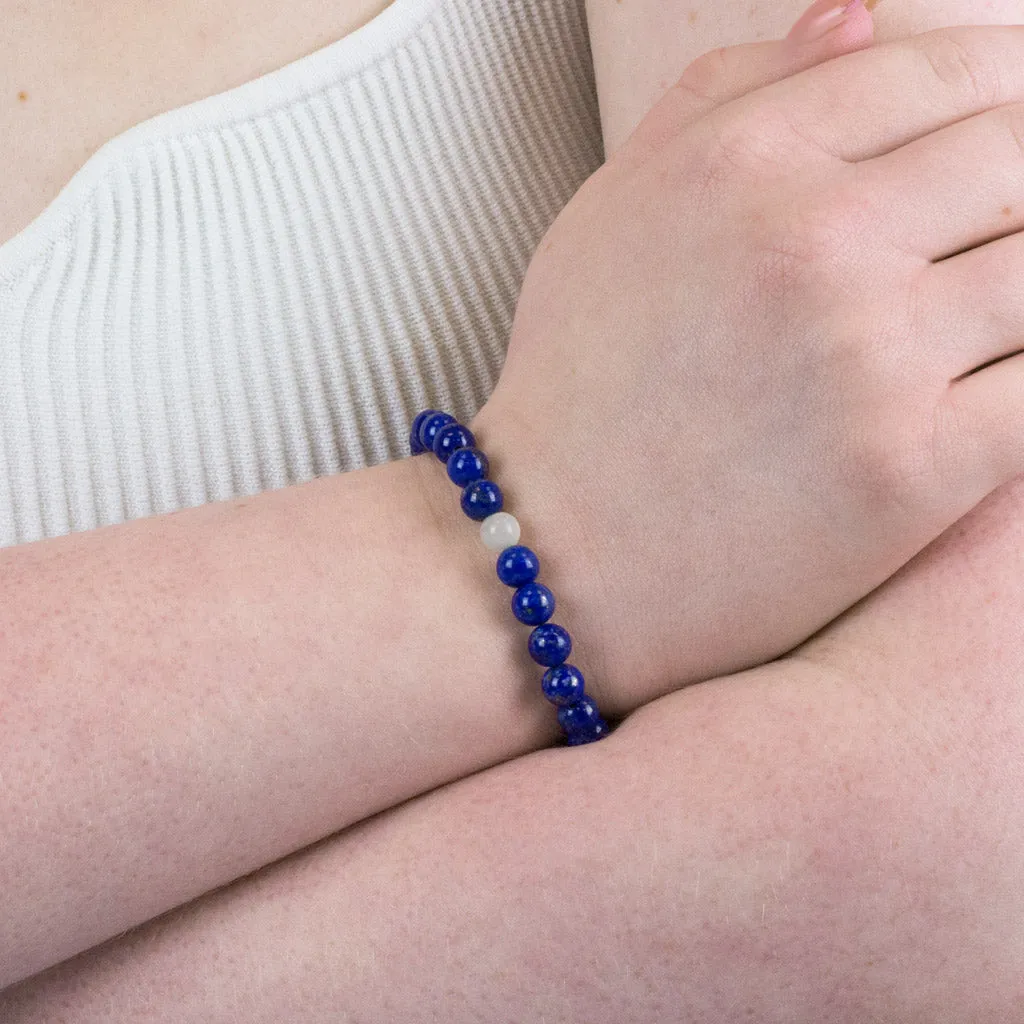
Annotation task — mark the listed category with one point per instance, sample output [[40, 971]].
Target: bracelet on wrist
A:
[[518, 567]]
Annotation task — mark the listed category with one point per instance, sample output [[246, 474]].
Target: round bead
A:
[[414, 433], [563, 685], [482, 499], [430, 427], [596, 731], [582, 720], [533, 604], [550, 645], [517, 566], [450, 439], [466, 466], [500, 531]]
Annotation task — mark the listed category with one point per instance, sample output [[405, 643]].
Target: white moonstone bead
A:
[[500, 531]]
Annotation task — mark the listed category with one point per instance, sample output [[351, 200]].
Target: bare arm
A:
[[933, 733], [831, 838], [188, 697], [225, 721]]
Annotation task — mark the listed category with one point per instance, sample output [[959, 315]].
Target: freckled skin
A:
[[142, 59], [659, 798]]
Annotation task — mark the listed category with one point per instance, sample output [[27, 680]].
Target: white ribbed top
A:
[[264, 286]]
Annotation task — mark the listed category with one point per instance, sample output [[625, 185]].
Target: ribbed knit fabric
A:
[[264, 286]]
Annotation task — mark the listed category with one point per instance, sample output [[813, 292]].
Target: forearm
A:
[[777, 846], [174, 729], [188, 697]]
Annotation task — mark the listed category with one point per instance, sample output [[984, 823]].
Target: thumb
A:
[[827, 29]]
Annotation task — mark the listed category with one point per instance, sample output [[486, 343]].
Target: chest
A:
[[262, 287], [75, 73]]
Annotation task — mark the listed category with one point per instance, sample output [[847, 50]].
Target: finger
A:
[[976, 302], [954, 189], [730, 72], [982, 422], [871, 102]]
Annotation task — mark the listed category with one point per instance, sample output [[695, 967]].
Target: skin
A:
[[834, 837], [640, 46], [207, 736], [999, 998], [290, 651], [141, 59]]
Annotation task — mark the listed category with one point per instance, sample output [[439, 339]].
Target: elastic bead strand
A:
[[517, 567]]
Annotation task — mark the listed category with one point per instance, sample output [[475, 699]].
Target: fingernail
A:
[[820, 19]]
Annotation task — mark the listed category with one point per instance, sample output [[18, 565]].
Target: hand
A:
[[739, 391]]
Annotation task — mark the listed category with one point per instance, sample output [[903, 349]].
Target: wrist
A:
[[435, 622], [592, 574]]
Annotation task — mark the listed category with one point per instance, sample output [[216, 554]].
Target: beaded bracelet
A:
[[533, 604]]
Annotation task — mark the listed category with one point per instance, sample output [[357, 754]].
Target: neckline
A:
[[300, 78]]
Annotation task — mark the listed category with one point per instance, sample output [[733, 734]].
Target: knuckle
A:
[[829, 224], [883, 465], [962, 67], [731, 151], [698, 90], [806, 249], [702, 80], [1014, 116], [884, 410]]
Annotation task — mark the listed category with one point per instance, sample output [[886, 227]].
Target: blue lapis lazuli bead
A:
[[563, 685], [466, 466], [482, 499], [596, 731], [582, 721], [450, 439], [533, 604], [430, 426], [517, 565], [415, 444], [550, 645]]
